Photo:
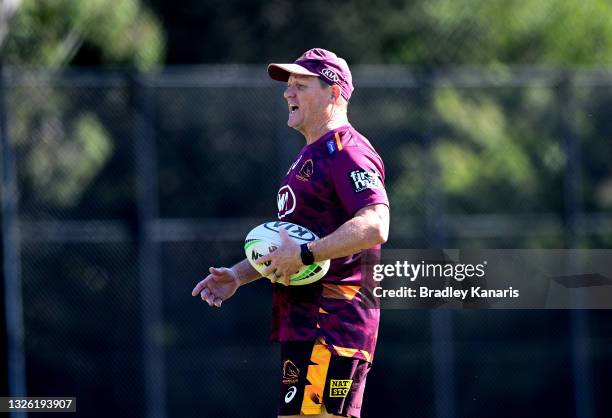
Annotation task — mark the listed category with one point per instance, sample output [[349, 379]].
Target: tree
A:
[[51, 33], [59, 133]]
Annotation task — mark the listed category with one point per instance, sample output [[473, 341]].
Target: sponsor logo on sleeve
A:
[[339, 388], [362, 180]]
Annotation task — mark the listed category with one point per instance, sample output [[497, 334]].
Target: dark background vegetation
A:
[[148, 141]]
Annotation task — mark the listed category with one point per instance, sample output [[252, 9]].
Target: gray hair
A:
[[324, 85]]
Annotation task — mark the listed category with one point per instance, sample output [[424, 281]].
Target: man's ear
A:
[[335, 92]]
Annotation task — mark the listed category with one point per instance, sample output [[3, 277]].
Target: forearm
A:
[[245, 272], [366, 230]]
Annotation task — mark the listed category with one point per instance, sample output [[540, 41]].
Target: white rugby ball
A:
[[265, 238]]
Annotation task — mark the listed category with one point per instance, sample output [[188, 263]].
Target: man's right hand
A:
[[218, 286]]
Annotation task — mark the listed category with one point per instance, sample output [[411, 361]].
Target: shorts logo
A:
[[339, 388], [290, 374], [306, 170], [330, 74], [363, 179], [290, 394], [285, 201]]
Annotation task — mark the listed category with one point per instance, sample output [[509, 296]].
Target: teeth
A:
[[293, 108]]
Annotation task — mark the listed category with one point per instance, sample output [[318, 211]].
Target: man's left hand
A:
[[285, 260]]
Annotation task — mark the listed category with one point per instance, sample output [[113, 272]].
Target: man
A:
[[335, 187]]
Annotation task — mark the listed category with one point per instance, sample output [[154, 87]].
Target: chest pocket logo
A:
[[285, 201], [306, 171]]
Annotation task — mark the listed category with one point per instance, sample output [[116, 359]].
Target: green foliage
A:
[[63, 164], [483, 150], [50, 33], [424, 32], [496, 150], [63, 149], [484, 32]]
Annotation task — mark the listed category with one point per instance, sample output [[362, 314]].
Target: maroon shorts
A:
[[312, 377]]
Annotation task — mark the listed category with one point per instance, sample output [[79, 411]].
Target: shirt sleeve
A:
[[359, 179]]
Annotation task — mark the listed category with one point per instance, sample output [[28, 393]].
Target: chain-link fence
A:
[[128, 187]]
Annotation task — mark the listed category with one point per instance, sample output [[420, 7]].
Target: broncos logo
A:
[[290, 373]]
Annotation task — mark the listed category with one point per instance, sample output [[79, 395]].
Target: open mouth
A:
[[293, 108]]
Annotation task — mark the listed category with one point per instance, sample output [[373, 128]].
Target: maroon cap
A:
[[320, 63]]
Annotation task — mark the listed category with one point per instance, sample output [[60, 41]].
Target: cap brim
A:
[[280, 72]]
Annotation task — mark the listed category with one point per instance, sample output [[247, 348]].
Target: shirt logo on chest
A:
[[285, 201], [306, 171]]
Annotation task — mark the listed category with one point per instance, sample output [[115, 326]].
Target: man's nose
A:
[[289, 92]]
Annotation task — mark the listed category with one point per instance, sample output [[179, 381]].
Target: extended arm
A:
[[222, 282], [245, 273]]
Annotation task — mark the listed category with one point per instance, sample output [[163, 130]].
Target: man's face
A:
[[308, 102]]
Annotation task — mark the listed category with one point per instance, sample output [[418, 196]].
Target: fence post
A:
[[572, 179], [149, 252], [574, 233], [441, 320], [435, 216], [13, 297]]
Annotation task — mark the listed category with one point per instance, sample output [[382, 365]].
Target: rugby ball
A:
[[265, 238]]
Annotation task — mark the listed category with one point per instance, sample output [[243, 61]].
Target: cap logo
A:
[[330, 74]]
